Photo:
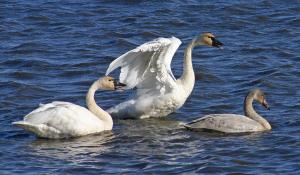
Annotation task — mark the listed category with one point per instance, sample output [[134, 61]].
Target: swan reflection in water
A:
[[75, 150]]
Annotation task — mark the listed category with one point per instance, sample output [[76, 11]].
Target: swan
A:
[[148, 68], [233, 123], [63, 119]]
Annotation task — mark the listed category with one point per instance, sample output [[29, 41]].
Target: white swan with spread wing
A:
[[233, 123], [148, 68], [64, 119]]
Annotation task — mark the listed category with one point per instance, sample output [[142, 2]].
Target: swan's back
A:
[[61, 119], [227, 123]]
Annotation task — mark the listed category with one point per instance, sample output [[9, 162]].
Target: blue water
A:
[[54, 50]]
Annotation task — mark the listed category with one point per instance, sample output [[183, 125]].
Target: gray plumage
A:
[[233, 123]]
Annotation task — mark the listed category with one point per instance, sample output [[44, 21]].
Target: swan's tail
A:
[[183, 125], [188, 126], [41, 130]]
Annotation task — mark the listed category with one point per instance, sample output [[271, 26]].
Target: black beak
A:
[[265, 104], [216, 43], [118, 85]]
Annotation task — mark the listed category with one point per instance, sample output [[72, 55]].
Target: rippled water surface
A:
[[54, 50]]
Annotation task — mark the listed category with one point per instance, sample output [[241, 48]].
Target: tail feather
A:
[[187, 126], [40, 130]]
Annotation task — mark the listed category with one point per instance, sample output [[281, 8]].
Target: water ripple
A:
[[55, 50]]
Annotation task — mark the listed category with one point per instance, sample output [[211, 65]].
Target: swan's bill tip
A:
[[217, 43], [120, 86], [265, 104]]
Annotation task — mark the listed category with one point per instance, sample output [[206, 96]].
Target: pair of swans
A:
[[148, 68]]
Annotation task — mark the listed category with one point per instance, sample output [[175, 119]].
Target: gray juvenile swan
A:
[[233, 123]]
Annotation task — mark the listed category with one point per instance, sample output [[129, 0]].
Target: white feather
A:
[[148, 67], [60, 120], [150, 61]]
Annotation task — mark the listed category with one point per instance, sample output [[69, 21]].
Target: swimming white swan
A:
[[233, 123], [64, 119], [148, 67]]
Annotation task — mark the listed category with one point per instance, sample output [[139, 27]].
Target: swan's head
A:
[[208, 39], [259, 96], [109, 83]]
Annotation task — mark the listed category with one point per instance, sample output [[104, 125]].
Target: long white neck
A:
[[95, 109], [251, 113], [187, 79]]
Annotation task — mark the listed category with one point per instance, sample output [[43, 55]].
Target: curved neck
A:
[[95, 109], [188, 76], [251, 113]]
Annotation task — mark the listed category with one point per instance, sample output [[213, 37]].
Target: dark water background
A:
[[54, 50]]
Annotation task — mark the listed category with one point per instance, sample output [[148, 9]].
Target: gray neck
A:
[[95, 109], [188, 77], [251, 113]]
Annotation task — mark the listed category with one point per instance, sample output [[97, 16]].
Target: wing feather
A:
[[225, 123], [148, 66]]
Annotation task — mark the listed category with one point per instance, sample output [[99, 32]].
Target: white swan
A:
[[148, 67], [232, 123], [64, 119]]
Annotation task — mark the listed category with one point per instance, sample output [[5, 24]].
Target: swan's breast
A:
[[167, 103]]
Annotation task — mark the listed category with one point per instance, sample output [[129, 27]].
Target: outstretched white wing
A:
[[148, 67]]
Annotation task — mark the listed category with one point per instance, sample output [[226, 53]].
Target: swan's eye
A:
[[262, 97]]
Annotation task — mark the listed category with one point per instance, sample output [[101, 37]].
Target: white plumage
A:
[[148, 68], [148, 62], [61, 120], [64, 119]]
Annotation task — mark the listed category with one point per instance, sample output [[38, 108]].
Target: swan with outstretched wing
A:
[[148, 68]]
